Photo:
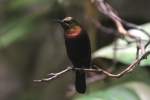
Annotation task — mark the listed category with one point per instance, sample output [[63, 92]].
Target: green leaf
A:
[[128, 91], [146, 27], [141, 89], [125, 53], [114, 93]]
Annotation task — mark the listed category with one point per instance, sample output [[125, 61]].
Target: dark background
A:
[[32, 44]]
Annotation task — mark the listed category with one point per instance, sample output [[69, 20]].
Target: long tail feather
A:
[[80, 81]]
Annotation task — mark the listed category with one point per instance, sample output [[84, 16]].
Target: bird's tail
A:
[[80, 81]]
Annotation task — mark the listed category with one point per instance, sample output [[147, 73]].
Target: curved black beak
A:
[[59, 21], [63, 24]]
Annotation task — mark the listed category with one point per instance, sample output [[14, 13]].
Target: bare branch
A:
[[107, 10], [111, 13], [95, 78], [128, 69], [54, 75]]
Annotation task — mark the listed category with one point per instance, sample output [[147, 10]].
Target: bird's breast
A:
[[73, 32], [78, 50]]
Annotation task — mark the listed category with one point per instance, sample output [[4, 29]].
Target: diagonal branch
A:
[[111, 13], [108, 11]]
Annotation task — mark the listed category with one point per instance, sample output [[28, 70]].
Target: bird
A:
[[78, 49]]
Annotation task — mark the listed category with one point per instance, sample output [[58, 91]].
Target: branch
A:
[[111, 13], [128, 69], [54, 75], [108, 11], [95, 78]]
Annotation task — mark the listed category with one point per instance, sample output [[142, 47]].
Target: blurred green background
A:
[[32, 45]]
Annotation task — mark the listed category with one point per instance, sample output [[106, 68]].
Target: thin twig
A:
[[122, 72], [115, 53], [54, 75], [128, 69], [146, 45], [137, 51], [131, 66]]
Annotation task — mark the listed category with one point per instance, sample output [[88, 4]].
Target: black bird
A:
[[78, 49]]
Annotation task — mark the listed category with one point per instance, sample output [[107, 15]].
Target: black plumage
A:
[[78, 50]]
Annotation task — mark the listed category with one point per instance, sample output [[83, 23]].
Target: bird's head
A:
[[71, 27]]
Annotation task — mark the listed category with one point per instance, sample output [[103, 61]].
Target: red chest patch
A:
[[74, 32]]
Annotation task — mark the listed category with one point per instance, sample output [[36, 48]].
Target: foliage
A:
[[125, 53]]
